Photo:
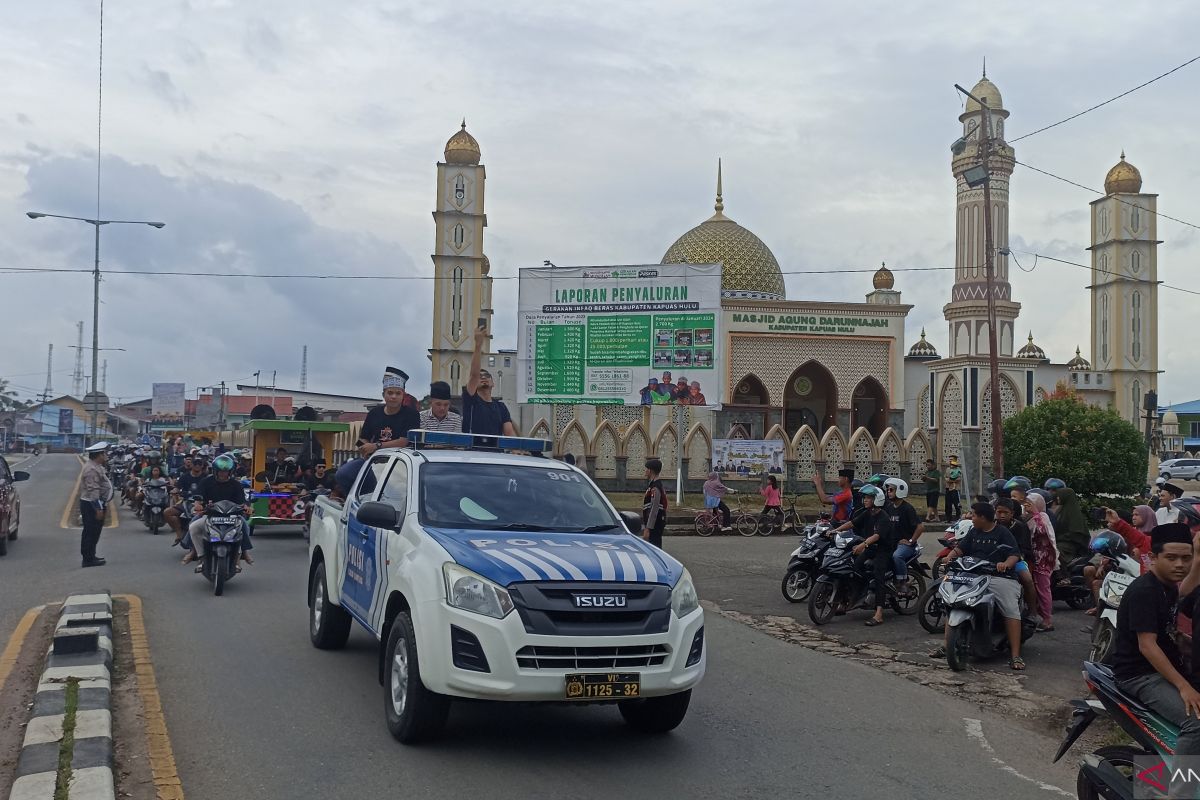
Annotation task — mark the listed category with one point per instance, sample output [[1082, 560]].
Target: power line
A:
[[1105, 271], [1115, 197], [300, 276], [1106, 102]]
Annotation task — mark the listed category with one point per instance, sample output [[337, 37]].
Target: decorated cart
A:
[[286, 503]]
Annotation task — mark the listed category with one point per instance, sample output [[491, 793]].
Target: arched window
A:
[[459, 235], [456, 302], [1136, 406], [1135, 262], [1137, 326], [1135, 218], [1104, 328], [460, 191], [455, 377]]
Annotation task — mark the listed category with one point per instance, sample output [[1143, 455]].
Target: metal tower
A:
[[48, 392], [104, 377], [304, 369], [77, 376]]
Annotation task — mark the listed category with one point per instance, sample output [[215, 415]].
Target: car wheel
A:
[[3, 545], [1166, 476], [12, 535], [656, 714], [328, 624], [413, 713]]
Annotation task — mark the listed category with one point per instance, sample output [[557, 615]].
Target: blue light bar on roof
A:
[[475, 441]]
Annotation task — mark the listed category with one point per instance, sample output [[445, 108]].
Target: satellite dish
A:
[[305, 414], [262, 411]]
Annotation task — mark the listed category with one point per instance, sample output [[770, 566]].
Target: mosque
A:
[[846, 391]]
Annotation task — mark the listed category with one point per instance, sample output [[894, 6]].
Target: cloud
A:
[[159, 82]]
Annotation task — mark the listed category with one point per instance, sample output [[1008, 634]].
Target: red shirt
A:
[[843, 501]]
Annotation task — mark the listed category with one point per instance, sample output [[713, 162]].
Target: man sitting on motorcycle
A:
[[985, 538], [216, 487], [875, 525], [1146, 663]]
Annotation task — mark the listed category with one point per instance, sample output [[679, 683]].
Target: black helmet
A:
[[856, 484], [877, 480], [1109, 544], [997, 487], [1189, 514], [1054, 484], [1042, 493], [1019, 482]]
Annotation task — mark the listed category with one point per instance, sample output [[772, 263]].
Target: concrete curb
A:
[[83, 651]]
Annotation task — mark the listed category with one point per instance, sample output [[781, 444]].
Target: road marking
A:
[[162, 756], [12, 650], [975, 731], [73, 499]]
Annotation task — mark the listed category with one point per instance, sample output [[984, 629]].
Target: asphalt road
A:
[[254, 710]]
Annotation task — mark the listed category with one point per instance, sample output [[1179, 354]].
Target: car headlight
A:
[[684, 599], [471, 592]]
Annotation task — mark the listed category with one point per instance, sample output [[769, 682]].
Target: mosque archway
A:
[[750, 391], [869, 407], [810, 398]]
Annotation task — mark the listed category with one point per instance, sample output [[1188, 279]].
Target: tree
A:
[[8, 398], [1092, 449]]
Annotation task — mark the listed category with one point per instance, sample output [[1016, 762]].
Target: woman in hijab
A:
[[714, 497], [1072, 532], [1045, 557]]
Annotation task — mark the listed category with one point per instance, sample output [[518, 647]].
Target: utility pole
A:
[[104, 377], [77, 375], [985, 154], [221, 412], [304, 369], [47, 393]]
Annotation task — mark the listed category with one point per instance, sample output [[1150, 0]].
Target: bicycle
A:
[[745, 520], [708, 522], [791, 517]]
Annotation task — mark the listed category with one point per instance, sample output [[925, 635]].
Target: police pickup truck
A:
[[486, 570]]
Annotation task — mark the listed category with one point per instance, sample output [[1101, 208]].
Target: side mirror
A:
[[261, 477], [378, 515], [633, 522], [19, 475]]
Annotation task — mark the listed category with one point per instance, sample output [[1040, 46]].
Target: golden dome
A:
[[1123, 178], [749, 267], [1032, 351], [922, 349], [985, 90], [884, 279], [462, 148], [1079, 363]]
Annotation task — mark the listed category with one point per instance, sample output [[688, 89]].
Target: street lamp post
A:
[[95, 223]]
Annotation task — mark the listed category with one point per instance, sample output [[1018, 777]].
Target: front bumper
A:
[[500, 639]]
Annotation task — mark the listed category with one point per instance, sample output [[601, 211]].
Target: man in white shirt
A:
[[439, 417], [1167, 493]]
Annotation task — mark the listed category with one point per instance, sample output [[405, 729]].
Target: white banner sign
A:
[[747, 458], [641, 335], [167, 400]]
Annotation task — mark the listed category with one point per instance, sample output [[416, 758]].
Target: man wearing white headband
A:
[[386, 425]]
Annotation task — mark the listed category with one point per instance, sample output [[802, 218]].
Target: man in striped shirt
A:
[[439, 417]]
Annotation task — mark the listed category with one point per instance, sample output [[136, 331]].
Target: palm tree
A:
[[8, 398]]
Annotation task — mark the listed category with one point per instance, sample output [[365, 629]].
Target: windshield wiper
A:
[[519, 526], [597, 528]]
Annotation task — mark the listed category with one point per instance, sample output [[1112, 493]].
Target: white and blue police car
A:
[[488, 571]]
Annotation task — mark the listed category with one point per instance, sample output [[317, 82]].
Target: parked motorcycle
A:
[[805, 562], [976, 626], [1110, 771], [1122, 571], [223, 530], [842, 584], [154, 503]]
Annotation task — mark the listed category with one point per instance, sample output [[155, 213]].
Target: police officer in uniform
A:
[[95, 492]]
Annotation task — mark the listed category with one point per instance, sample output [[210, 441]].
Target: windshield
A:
[[509, 497]]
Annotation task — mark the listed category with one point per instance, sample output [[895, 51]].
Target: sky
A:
[[302, 137]]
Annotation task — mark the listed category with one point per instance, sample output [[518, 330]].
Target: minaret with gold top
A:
[[967, 311], [462, 289], [1124, 288]]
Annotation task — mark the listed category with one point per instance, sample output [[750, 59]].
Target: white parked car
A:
[[490, 575], [1187, 469]]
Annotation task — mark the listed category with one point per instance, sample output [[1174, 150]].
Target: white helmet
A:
[[899, 485]]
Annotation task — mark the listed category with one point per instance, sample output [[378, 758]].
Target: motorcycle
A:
[[804, 563], [1110, 771], [223, 530], [953, 532], [1069, 585], [1122, 571], [843, 584], [976, 626], [154, 502]]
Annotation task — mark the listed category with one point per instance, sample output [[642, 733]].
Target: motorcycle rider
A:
[[875, 523], [984, 538], [1007, 515], [1146, 663], [214, 488], [188, 486], [908, 528]]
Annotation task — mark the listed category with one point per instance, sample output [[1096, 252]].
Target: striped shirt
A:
[[450, 422]]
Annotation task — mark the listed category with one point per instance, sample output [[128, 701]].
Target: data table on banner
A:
[[605, 335]]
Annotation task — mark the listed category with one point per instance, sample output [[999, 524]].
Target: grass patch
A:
[[66, 748]]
